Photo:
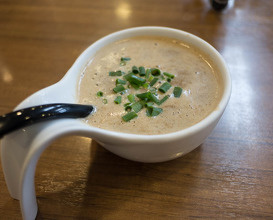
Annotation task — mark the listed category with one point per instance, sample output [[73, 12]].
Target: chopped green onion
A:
[[125, 59], [118, 100], [153, 98], [127, 76], [155, 72], [128, 106], [131, 98], [149, 104], [135, 86], [147, 74], [133, 79], [104, 101], [137, 106], [120, 81], [119, 88], [154, 81], [153, 111], [135, 70], [146, 85], [144, 96], [115, 73], [142, 71], [145, 80], [99, 93], [177, 91], [150, 78], [156, 111], [168, 75], [163, 99], [165, 87], [129, 116], [147, 96]]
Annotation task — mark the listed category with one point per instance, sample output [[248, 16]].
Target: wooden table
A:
[[229, 176]]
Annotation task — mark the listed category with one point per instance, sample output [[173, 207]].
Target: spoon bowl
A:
[[35, 114]]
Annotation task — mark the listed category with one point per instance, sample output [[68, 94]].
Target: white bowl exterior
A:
[[159, 151]]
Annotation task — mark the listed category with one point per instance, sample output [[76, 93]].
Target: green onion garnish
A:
[[128, 106], [125, 59], [150, 78], [104, 101], [148, 96], [120, 81], [119, 88], [153, 98], [154, 81], [99, 93], [144, 81], [168, 75], [137, 106], [131, 98], [146, 85], [147, 74], [165, 87], [127, 76], [142, 71], [177, 91], [117, 100], [133, 79], [135, 86], [115, 73], [129, 116], [135, 70], [153, 111], [163, 99], [155, 72], [149, 104], [144, 96]]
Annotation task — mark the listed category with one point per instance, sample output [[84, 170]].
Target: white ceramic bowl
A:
[[21, 149], [158, 148], [142, 148]]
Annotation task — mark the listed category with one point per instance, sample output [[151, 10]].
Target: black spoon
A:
[[28, 116]]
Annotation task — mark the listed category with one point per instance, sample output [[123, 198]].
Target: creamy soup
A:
[[194, 72]]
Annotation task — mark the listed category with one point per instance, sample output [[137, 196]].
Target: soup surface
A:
[[194, 72]]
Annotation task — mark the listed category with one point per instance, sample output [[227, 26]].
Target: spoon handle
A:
[[28, 116]]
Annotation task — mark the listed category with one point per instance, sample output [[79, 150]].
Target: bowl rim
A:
[[165, 31]]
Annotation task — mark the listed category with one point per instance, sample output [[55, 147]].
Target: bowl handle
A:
[[21, 149], [20, 152]]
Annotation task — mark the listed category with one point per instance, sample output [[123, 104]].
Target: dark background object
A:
[[219, 5]]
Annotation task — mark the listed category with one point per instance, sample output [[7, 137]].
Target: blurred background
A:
[[230, 175]]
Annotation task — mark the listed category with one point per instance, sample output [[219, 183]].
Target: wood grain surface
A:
[[229, 176]]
